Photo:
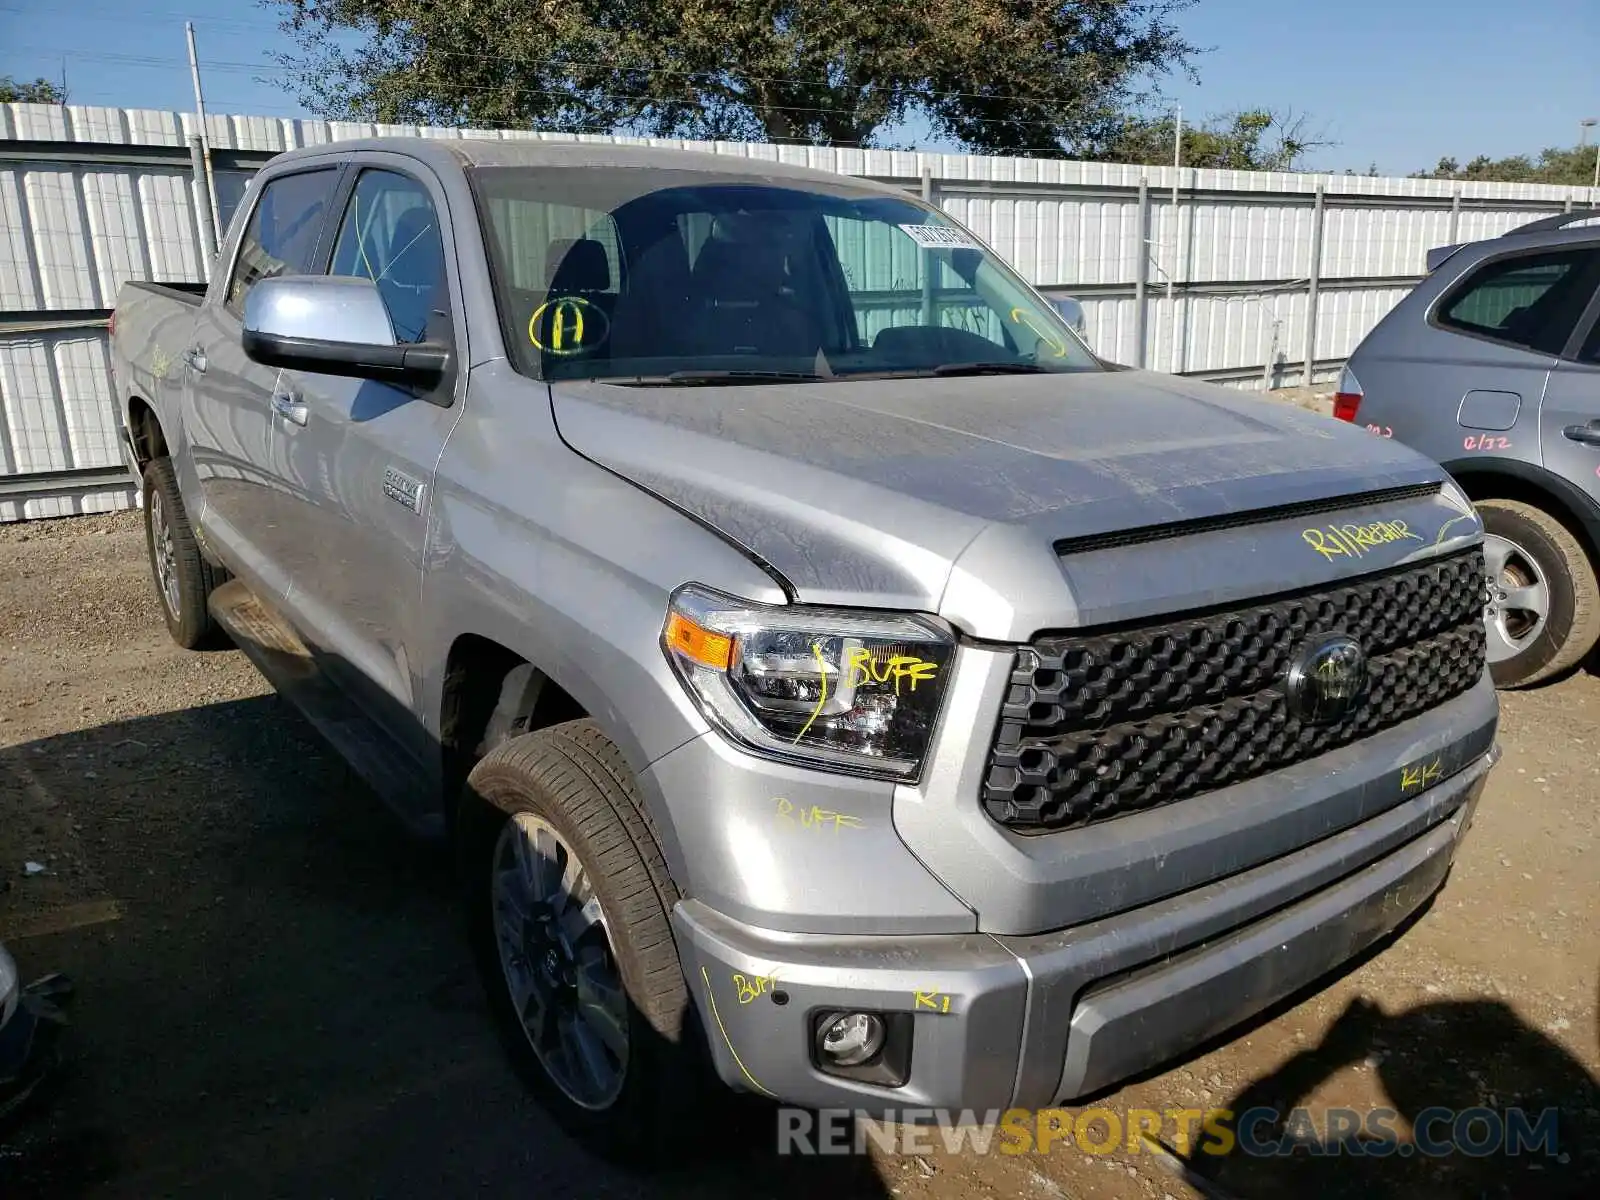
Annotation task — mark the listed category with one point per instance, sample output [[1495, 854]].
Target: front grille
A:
[[1099, 725]]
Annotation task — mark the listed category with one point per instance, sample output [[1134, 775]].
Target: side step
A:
[[291, 668]]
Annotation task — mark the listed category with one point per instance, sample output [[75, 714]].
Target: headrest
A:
[[577, 265], [727, 269]]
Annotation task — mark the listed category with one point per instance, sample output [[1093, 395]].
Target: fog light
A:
[[852, 1039]]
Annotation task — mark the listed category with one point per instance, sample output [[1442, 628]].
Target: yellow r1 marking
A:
[[936, 1001], [1420, 776], [1356, 540]]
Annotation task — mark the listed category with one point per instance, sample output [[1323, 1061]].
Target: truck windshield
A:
[[692, 277]]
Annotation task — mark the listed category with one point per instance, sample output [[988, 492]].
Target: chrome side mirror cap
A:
[[327, 308], [335, 325]]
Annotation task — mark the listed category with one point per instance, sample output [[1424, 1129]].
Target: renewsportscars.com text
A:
[[1374, 1132]]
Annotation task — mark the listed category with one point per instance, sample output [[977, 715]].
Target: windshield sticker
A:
[[939, 237], [568, 325], [1356, 540], [1035, 323]]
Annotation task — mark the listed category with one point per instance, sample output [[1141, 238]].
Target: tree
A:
[[998, 76], [1553, 165], [40, 91], [1254, 140]]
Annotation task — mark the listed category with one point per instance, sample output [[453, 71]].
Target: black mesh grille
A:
[[1099, 725]]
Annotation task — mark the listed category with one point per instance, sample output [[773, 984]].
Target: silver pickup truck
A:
[[828, 673]]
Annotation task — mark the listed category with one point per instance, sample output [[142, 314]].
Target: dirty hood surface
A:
[[867, 492]]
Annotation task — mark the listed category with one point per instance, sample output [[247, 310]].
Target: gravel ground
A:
[[274, 999]]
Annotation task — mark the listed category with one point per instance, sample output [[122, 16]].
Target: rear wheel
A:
[[568, 898], [184, 578], [1543, 611]]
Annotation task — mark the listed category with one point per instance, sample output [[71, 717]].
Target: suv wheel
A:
[[1543, 611], [184, 578], [568, 897]]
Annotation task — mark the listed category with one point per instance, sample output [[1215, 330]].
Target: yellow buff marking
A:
[[822, 671], [739, 1062]]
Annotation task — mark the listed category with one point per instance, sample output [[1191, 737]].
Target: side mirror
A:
[[1071, 311], [334, 325]]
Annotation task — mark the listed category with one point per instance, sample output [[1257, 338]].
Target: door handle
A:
[[289, 408], [1588, 435], [196, 359]]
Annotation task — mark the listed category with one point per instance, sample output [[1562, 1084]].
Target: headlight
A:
[[847, 691]]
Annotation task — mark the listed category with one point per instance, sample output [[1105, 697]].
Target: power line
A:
[[576, 95], [127, 15], [719, 73]]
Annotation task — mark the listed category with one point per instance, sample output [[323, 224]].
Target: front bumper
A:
[[1001, 1021]]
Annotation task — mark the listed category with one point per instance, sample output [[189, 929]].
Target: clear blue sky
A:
[[1394, 82]]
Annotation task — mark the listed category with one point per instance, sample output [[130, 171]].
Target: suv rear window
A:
[[1531, 300]]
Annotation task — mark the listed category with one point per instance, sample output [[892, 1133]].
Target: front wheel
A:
[[1543, 611], [568, 898]]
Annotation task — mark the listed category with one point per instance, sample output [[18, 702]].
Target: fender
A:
[[1582, 507]]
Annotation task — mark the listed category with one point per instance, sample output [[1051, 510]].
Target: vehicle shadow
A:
[[1452, 1055], [287, 1005]]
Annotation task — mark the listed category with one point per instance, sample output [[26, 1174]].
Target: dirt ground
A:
[[273, 999]]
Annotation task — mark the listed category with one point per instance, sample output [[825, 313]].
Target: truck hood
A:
[[870, 493]]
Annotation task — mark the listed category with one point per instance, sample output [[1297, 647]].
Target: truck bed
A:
[[180, 290], [152, 331]]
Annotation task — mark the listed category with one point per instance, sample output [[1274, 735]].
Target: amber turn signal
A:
[[698, 644]]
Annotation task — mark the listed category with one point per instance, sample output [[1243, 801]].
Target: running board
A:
[[291, 668]]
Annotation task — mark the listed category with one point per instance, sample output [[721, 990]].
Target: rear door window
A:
[[281, 238], [1531, 300]]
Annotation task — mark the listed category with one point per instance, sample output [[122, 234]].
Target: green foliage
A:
[[40, 91], [1254, 140], [1553, 165], [998, 76]]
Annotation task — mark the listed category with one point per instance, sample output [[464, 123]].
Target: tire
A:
[[184, 578], [570, 782], [1533, 556]]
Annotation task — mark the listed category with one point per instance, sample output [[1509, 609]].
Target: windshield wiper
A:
[[712, 378], [987, 368]]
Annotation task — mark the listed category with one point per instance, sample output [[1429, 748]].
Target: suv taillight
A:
[[1347, 397], [111, 324]]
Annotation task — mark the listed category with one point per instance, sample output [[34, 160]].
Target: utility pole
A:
[[1177, 241], [205, 134], [1586, 124]]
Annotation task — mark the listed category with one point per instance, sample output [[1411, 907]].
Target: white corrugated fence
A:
[[1221, 284]]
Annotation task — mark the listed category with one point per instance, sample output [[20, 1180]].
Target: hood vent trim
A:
[[1260, 516]]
